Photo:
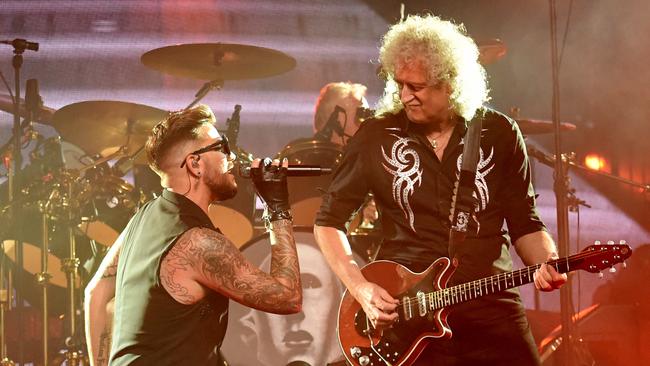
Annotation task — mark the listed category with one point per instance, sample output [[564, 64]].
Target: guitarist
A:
[[409, 158]]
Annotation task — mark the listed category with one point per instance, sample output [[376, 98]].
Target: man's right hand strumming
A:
[[377, 303]]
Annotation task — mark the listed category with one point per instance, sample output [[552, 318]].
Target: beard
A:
[[223, 187]]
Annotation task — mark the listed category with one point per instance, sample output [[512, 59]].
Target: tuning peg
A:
[[610, 242], [600, 275], [612, 270], [597, 242], [622, 242]]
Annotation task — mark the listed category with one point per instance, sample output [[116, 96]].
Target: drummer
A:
[[350, 98], [335, 116]]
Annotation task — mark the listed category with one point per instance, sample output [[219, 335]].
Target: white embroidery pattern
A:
[[482, 170], [404, 165]]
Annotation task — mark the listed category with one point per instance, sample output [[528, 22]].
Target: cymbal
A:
[[218, 61], [102, 126], [535, 126], [491, 50], [45, 114]]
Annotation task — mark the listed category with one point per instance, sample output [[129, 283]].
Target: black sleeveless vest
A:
[[151, 328]]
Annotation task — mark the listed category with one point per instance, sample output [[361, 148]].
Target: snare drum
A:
[[309, 336], [305, 192]]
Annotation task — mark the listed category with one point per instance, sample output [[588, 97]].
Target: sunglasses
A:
[[221, 146]]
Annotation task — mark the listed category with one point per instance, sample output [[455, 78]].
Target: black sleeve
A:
[[518, 194], [349, 186]]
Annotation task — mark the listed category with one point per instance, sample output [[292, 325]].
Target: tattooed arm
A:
[[203, 257], [98, 306]]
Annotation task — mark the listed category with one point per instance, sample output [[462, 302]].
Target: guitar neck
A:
[[499, 282]]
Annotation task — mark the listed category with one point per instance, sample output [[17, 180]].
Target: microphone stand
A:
[[205, 89], [561, 188], [14, 184]]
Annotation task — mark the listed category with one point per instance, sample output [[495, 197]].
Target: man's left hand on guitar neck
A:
[[538, 247]]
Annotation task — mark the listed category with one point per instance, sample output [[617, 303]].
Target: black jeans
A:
[[507, 342]]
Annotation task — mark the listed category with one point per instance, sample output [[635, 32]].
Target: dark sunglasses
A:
[[221, 145]]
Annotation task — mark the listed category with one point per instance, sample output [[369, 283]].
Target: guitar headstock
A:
[[598, 256]]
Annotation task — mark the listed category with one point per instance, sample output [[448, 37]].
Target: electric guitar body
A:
[[424, 299]]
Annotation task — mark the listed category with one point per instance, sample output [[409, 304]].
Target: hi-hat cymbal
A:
[[45, 114], [491, 50], [218, 61], [102, 126], [535, 126]]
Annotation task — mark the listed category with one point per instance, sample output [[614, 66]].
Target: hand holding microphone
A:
[[270, 179]]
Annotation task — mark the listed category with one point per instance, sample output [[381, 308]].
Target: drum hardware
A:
[[491, 50], [536, 126], [305, 193], [43, 277], [14, 164]]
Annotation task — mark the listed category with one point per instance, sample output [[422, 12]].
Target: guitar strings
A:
[[517, 274]]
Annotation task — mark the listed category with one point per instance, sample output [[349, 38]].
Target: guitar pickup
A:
[[422, 303]]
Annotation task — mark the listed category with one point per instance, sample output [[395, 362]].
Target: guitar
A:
[[424, 298]]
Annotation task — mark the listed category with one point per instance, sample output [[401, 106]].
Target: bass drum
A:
[[259, 338], [305, 192]]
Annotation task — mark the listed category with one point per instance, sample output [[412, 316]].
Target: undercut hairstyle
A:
[[330, 96], [179, 127], [445, 51]]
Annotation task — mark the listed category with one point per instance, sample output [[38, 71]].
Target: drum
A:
[[305, 192], [112, 203], [259, 338], [31, 234]]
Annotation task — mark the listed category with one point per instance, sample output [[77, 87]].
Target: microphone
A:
[[331, 126], [232, 123], [33, 101], [292, 171], [21, 44]]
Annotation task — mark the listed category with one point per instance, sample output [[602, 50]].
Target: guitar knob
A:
[[364, 360], [355, 352]]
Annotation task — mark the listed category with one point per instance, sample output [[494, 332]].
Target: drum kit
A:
[[74, 200]]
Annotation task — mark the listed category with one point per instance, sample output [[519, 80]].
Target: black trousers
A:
[[506, 342]]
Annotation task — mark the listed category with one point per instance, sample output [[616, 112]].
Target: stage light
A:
[[596, 162]]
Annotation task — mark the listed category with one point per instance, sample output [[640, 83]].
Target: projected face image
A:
[[309, 336]]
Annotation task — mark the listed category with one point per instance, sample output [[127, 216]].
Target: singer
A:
[[171, 273]]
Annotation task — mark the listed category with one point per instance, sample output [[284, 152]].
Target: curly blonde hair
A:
[[445, 50]]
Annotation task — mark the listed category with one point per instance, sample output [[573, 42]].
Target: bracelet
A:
[[275, 216], [281, 215]]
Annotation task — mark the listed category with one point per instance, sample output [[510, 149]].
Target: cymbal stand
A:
[[70, 265], [14, 187], [205, 89], [5, 304], [43, 277]]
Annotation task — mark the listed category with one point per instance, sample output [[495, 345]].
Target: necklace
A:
[[441, 136]]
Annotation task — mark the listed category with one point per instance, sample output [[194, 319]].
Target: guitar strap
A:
[[463, 203]]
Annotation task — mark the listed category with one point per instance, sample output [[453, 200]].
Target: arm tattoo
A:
[[225, 269], [179, 259], [105, 339], [111, 269]]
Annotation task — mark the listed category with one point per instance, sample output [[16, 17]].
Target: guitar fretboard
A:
[[430, 301]]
